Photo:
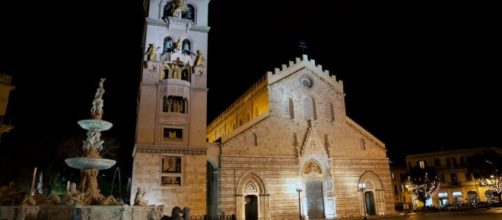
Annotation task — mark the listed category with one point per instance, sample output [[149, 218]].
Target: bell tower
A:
[[170, 148]]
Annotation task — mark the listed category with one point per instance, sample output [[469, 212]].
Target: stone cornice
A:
[[170, 149]]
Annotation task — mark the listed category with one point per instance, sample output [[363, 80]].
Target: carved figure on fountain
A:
[[139, 199], [97, 103]]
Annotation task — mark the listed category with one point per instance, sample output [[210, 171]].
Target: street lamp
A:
[[299, 190], [362, 187]]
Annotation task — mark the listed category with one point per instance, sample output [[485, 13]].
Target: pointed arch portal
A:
[[373, 198], [252, 198]]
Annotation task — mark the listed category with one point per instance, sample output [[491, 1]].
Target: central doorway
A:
[[370, 203], [315, 201], [251, 207]]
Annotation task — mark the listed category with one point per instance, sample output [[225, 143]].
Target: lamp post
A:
[[299, 190], [362, 187]]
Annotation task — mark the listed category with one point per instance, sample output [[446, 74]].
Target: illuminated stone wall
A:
[[276, 149], [192, 191], [252, 104]]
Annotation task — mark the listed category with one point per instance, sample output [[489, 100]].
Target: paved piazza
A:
[[493, 214]]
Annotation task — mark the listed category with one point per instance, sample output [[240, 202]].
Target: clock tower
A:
[[170, 148]]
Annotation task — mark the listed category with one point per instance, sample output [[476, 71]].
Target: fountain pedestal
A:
[[91, 162]]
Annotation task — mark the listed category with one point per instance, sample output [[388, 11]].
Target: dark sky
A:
[[419, 75]]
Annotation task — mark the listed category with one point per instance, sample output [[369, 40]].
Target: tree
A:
[[422, 182], [486, 167]]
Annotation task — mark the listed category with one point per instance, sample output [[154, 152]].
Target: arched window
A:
[[189, 14], [363, 144], [168, 45], [167, 10], [328, 111], [288, 108], [255, 139], [308, 108], [187, 47], [175, 104]]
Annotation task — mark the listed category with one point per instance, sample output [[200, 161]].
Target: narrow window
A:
[[288, 108], [328, 111], [308, 108]]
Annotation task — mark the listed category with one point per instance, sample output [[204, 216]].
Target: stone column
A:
[[264, 212], [239, 201]]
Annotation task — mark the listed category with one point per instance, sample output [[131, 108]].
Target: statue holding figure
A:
[[139, 200], [199, 59], [151, 53], [97, 103], [93, 144], [178, 6]]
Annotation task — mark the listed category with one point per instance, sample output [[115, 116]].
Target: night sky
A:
[[419, 75]]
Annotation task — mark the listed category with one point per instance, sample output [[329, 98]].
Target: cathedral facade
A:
[[288, 146], [285, 148]]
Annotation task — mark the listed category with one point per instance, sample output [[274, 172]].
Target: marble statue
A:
[[73, 196], [97, 103], [151, 53], [93, 144], [199, 59], [139, 199], [178, 6]]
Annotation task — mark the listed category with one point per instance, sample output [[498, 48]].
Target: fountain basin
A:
[[88, 124], [84, 163]]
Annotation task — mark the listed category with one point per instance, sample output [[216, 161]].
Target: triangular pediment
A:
[[313, 144]]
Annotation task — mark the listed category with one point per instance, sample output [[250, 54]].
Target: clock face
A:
[[306, 82]]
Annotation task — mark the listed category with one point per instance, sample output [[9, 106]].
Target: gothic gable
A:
[[308, 67], [313, 145]]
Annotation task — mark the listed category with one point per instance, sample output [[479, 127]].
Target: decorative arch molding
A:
[[251, 177], [372, 178], [252, 184], [313, 160], [374, 185]]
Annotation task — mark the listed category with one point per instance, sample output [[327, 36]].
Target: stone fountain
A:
[[86, 202], [92, 162]]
